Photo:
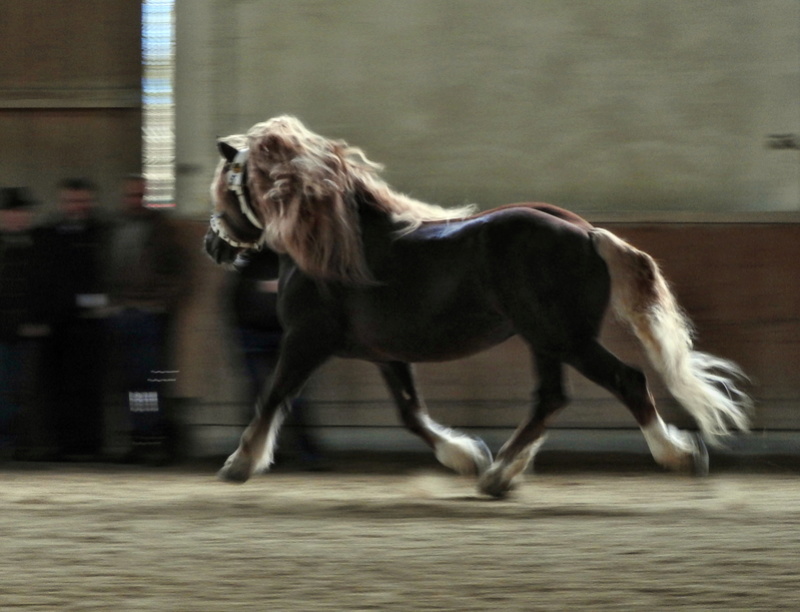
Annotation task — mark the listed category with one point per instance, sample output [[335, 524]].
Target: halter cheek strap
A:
[[237, 182]]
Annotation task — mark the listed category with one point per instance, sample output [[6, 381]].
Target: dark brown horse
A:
[[369, 273]]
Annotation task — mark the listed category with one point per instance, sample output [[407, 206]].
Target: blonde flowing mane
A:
[[303, 186]]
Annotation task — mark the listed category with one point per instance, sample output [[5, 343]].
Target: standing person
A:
[[22, 298], [145, 283], [254, 297], [76, 348]]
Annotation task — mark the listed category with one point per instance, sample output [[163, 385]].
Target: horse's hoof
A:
[[232, 476], [493, 484], [235, 471], [700, 457]]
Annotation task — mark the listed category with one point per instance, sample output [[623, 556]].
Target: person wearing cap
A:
[[23, 298]]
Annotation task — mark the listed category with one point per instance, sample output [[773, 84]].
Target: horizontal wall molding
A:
[[57, 97], [685, 217]]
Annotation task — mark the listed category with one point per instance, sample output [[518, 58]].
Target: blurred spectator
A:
[[76, 349], [23, 296], [259, 332], [145, 283]]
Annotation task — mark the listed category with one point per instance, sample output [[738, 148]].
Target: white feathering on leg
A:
[[669, 446], [270, 443], [457, 451]]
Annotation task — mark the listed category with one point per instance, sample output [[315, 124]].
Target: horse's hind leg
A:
[[518, 452], [457, 451], [670, 447]]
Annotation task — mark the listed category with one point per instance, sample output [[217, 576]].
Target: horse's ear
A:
[[227, 151]]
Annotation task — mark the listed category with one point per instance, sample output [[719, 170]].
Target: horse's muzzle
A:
[[219, 250]]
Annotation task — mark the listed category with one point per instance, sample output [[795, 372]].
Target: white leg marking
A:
[[670, 446], [243, 464], [457, 451], [267, 457]]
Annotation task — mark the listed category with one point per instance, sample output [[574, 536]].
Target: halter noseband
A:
[[236, 182], [220, 231]]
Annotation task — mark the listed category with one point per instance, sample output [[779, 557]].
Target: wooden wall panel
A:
[[70, 93], [738, 282]]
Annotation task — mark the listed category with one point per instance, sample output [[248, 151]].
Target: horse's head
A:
[[299, 193], [235, 226], [287, 188]]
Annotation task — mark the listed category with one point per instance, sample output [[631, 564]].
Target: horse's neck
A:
[[375, 223], [378, 230]]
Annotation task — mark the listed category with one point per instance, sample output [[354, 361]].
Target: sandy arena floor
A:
[[83, 537]]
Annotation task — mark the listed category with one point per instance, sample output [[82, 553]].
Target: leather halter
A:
[[236, 181], [222, 233]]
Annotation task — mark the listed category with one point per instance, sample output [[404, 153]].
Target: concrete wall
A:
[[70, 93], [620, 105]]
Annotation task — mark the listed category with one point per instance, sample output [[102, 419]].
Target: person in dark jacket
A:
[[254, 295], [23, 296], [76, 348], [146, 277]]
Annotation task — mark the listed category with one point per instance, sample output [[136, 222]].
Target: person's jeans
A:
[[140, 343]]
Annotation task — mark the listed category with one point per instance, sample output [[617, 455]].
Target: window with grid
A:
[[158, 55]]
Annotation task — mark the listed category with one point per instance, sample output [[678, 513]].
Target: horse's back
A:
[[515, 269], [549, 209]]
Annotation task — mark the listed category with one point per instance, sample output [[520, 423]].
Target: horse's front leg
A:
[[457, 451], [257, 445], [256, 449]]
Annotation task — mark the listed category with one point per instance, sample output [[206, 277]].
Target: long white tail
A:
[[705, 385]]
